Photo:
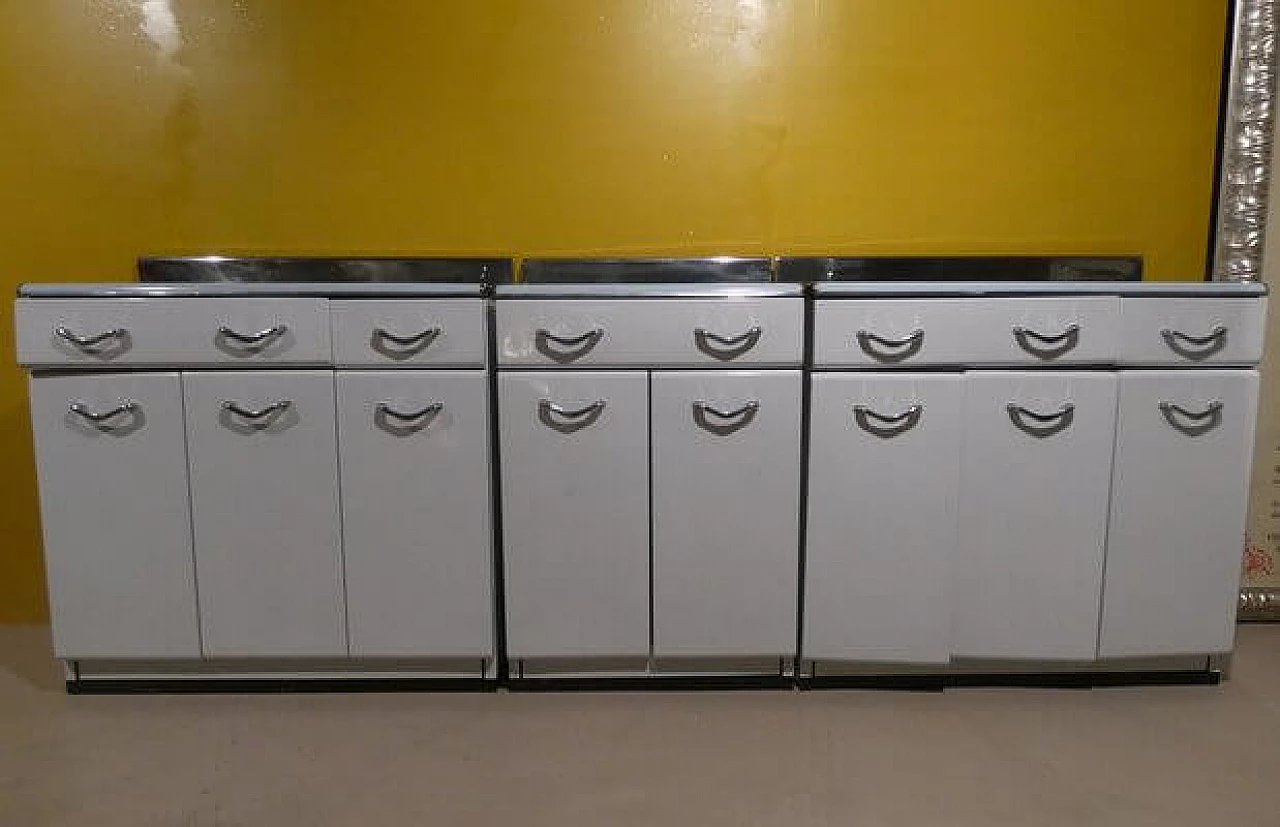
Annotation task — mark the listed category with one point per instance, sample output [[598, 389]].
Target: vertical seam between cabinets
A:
[[191, 509], [497, 557], [649, 447], [802, 525], [342, 528], [1106, 526]]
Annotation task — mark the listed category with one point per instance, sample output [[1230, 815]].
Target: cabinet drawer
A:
[[411, 333], [640, 332], [1188, 331], [887, 333], [190, 331], [1039, 331]]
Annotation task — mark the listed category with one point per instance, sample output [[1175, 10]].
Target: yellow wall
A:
[[595, 126]]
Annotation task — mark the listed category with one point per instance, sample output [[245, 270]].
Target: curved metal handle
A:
[[82, 410], [897, 349], [730, 421], [262, 413], [884, 426], [575, 419], [726, 347], [1047, 346], [91, 343], [579, 345], [385, 409], [261, 338], [416, 340], [1041, 425], [1201, 422], [1211, 343]]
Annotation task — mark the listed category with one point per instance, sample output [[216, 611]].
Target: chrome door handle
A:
[[579, 346], [1195, 347], [254, 340], [884, 426], [728, 421], [406, 420], [1041, 425], [571, 419], [417, 341], [726, 347], [1044, 346], [92, 344], [890, 350], [273, 409], [1200, 422], [99, 419]]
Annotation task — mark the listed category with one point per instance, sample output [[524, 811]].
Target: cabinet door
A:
[[726, 485], [415, 512], [1033, 509], [264, 499], [1183, 450], [575, 510], [111, 456], [884, 476]]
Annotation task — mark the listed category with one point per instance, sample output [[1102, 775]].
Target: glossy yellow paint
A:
[[601, 126]]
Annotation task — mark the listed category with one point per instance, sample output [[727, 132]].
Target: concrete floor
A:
[[783, 759]]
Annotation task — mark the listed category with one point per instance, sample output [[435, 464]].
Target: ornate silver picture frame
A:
[[1244, 187]]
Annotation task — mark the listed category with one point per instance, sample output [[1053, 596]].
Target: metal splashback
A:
[[324, 270], [961, 268], [719, 269]]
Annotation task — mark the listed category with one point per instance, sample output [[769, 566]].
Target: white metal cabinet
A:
[[111, 456], [264, 497], [1183, 451], [884, 479], [415, 512], [1035, 483], [575, 508], [726, 482]]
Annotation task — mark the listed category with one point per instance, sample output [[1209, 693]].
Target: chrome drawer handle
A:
[[1201, 422], [891, 350], [416, 341], [725, 348], [99, 419], [93, 344], [1041, 425], [1047, 346], [1195, 347], [255, 340], [728, 421], [407, 420], [571, 419], [887, 427], [579, 345], [274, 409]]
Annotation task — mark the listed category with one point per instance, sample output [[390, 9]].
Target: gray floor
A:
[[863, 759]]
